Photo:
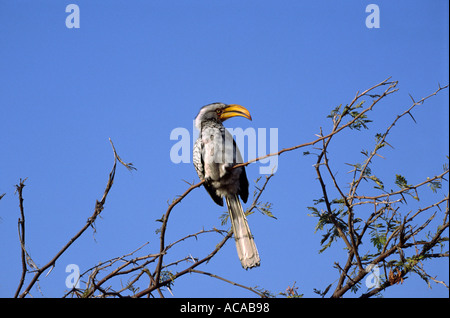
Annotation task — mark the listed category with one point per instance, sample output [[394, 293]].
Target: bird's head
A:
[[220, 112]]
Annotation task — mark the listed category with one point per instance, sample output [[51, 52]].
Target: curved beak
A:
[[234, 110]]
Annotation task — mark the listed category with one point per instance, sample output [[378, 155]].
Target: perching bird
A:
[[215, 153]]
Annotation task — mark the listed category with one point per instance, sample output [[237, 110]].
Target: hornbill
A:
[[215, 153]]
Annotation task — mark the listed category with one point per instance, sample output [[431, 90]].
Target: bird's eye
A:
[[218, 112]]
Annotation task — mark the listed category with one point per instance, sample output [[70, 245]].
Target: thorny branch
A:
[[98, 209], [209, 256], [399, 231], [397, 238], [388, 91], [253, 290], [21, 226]]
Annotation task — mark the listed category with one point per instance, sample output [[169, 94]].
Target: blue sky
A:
[[135, 70]]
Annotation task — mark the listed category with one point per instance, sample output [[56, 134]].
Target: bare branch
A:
[[262, 295], [21, 226], [98, 209], [391, 89]]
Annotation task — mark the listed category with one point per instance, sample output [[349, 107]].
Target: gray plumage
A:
[[214, 154]]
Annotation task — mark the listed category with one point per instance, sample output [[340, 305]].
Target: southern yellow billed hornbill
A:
[[215, 153]]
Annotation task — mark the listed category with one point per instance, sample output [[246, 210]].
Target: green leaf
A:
[[434, 185], [401, 181], [379, 183], [379, 146], [335, 111], [224, 218], [265, 208], [378, 240], [378, 137]]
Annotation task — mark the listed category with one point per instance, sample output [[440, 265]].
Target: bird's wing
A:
[[197, 159], [199, 165], [243, 185], [243, 181]]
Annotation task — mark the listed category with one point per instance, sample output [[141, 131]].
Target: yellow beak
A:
[[233, 110]]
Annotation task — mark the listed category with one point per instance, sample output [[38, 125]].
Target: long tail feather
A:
[[245, 245]]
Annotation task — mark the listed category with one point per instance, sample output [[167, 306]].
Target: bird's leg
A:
[[208, 179]]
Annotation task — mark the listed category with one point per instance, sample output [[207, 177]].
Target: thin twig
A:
[[21, 226], [98, 209], [229, 281]]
